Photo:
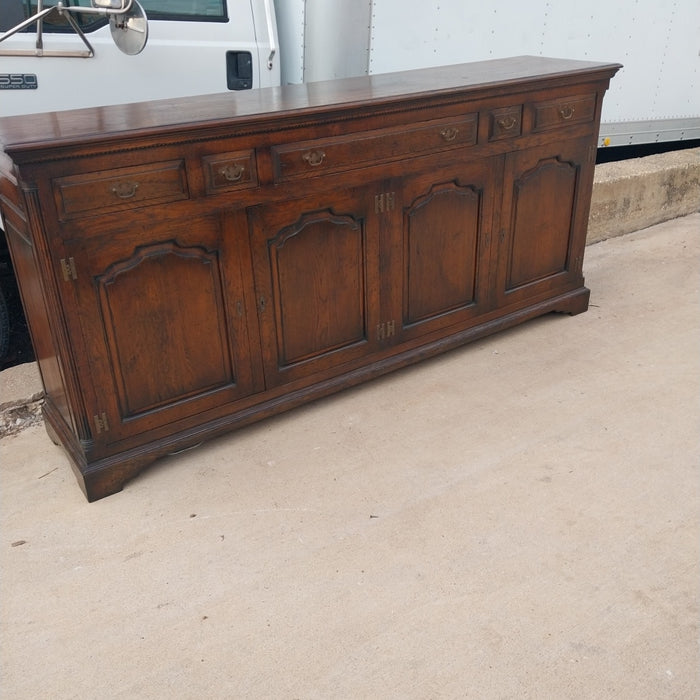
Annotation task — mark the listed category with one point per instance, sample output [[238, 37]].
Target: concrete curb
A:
[[637, 193]]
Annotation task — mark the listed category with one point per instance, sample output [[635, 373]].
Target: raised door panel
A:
[[543, 222], [316, 277], [441, 248], [164, 325]]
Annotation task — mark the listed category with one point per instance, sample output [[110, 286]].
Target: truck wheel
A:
[[4, 326]]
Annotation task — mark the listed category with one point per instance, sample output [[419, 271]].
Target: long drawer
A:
[[120, 189], [571, 109], [311, 158]]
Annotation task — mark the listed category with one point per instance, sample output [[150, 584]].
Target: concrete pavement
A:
[[515, 519]]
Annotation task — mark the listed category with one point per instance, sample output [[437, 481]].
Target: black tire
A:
[[4, 326]]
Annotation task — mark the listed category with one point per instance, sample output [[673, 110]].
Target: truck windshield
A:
[[12, 12]]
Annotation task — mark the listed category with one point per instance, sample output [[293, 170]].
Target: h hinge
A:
[[386, 330], [101, 424], [384, 202], [68, 269]]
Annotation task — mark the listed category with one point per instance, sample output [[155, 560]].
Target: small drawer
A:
[[229, 171], [320, 156], [123, 188], [564, 111], [505, 123]]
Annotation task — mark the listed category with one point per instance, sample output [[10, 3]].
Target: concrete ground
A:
[[515, 519]]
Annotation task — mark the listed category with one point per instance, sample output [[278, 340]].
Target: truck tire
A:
[[4, 326]]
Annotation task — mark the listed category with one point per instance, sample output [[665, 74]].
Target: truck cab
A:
[[194, 47]]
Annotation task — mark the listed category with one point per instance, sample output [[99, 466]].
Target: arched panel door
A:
[[155, 307], [441, 236], [316, 277], [164, 326], [541, 232], [441, 250], [543, 220]]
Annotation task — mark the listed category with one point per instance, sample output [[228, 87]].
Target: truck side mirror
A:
[[129, 29], [127, 22]]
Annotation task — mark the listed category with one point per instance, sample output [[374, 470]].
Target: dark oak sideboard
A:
[[191, 266]]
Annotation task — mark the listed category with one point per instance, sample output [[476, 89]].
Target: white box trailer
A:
[[655, 97], [204, 46]]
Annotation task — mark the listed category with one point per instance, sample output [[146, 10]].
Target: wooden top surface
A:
[[82, 126]]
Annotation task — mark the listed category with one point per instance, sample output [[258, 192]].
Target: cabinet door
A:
[[162, 311], [316, 277], [440, 249], [543, 221]]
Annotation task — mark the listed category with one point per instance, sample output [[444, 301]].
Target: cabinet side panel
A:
[[24, 262], [35, 312]]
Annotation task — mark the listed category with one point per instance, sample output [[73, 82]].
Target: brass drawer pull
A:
[[233, 173], [566, 112], [314, 158], [449, 133], [126, 189], [507, 123]]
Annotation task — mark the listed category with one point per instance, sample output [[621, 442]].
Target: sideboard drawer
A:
[[505, 123], [310, 158], [122, 188], [567, 110], [230, 171]]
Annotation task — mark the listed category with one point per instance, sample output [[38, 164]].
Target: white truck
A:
[[193, 47]]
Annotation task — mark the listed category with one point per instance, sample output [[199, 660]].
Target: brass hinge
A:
[[384, 202], [101, 424], [68, 269], [386, 330]]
